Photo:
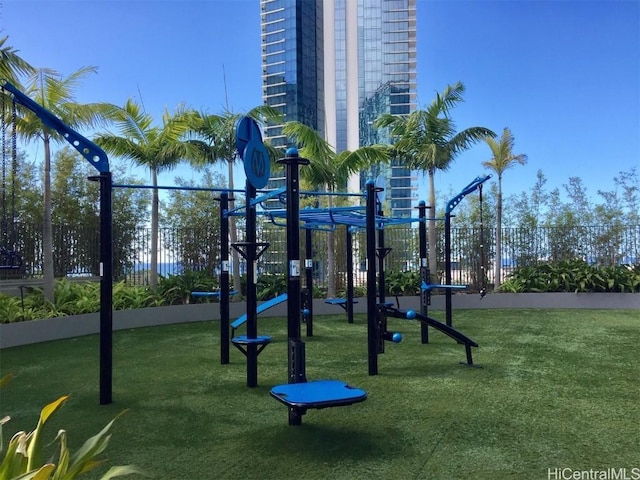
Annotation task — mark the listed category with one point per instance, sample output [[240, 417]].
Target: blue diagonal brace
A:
[[89, 150]]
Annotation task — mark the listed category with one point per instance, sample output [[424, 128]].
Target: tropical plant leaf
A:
[[34, 451]]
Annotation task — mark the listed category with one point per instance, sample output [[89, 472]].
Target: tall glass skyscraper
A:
[[336, 65]]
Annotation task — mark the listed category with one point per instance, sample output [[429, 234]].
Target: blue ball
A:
[[306, 312], [292, 152], [411, 314], [397, 337]]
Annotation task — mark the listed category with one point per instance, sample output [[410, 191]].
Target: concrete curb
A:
[[25, 333]]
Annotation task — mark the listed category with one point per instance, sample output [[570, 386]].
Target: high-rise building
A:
[[336, 65]]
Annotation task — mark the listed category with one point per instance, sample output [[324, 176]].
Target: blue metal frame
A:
[[98, 158], [89, 150], [472, 187]]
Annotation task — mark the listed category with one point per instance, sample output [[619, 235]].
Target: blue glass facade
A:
[[292, 62], [387, 84], [381, 34]]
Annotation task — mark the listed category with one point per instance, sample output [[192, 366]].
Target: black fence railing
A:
[[76, 251]]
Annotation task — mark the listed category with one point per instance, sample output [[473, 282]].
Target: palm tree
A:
[[215, 136], [502, 159], [56, 94], [156, 148], [331, 171], [427, 140], [12, 66]]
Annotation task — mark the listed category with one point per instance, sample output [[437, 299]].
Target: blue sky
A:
[[564, 76]]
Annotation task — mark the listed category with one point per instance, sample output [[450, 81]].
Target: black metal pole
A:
[[371, 279], [382, 253], [447, 267], [424, 268], [106, 288], [224, 278], [296, 365], [252, 291], [349, 305], [308, 271]]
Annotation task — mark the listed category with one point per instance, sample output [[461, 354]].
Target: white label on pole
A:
[[255, 272], [225, 265], [308, 263], [101, 269], [424, 262], [294, 268]]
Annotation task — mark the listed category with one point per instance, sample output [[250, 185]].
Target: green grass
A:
[[557, 388]]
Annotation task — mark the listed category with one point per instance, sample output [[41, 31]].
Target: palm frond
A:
[[466, 138], [502, 153], [12, 66], [310, 143]]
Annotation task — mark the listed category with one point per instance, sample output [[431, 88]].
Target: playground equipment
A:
[[470, 188], [379, 309], [98, 158], [426, 287], [347, 302], [242, 319], [299, 394], [257, 168]]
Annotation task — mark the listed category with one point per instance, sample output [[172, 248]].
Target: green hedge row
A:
[[74, 298]]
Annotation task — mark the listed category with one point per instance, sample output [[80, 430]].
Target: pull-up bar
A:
[[98, 158], [473, 186], [174, 187]]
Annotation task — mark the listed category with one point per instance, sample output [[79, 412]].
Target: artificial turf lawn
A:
[[557, 389]]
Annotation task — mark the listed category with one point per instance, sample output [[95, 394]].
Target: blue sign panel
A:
[[257, 166], [246, 130]]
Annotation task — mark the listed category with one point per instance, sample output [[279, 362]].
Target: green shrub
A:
[[573, 276], [271, 285], [358, 291], [130, 297], [176, 289], [402, 283]]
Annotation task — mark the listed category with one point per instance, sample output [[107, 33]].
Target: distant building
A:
[[336, 65]]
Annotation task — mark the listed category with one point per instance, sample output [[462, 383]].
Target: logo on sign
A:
[[258, 165]]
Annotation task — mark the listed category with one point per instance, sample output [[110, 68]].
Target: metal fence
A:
[[76, 250]]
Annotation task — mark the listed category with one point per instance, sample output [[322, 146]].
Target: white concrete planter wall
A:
[[24, 333]]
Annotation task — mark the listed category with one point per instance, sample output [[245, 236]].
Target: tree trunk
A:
[[233, 234], [47, 229], [155, 207], [433, 234], [498, 256]]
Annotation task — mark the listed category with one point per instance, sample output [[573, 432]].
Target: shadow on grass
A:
[[331, 443]]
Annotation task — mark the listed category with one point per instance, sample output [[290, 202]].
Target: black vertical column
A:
[[106, 287], [296, 347], [252, 291], [382, 253], [308, 270], [424, 268], [224, 278], [447, 267], [349, 274], [372, 308]]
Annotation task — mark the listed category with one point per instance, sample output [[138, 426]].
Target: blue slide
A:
[[261, 308]]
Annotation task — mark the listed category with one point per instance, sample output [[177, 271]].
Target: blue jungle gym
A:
[[299, 394]]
